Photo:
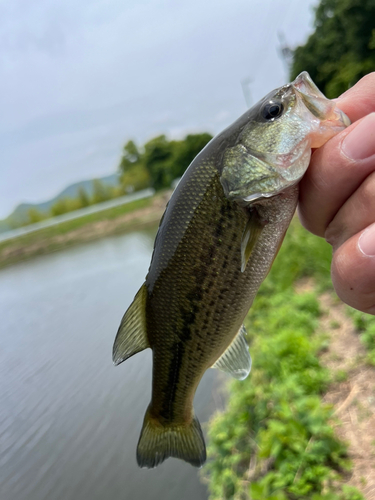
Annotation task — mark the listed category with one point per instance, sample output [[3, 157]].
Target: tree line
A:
[[155, 164], [342, 48], [160, 160]]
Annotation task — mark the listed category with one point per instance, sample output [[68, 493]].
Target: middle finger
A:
[[337, 169], [356, 214]]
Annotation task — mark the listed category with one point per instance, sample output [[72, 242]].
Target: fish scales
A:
[[216, 242], [196, 296]]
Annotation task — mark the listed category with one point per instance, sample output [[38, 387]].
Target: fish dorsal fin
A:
[[250, 236], [131, 336], [236, 359]]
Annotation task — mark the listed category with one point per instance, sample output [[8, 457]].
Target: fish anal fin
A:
[[250, 236], [158, 442], [236, 358], [131, 336]]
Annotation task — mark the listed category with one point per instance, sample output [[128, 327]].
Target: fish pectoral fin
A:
[[236, 358], [131, 336], [250, 236]]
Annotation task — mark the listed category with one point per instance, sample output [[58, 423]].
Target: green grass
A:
[[275, 440], [47, 236], [365, 325]]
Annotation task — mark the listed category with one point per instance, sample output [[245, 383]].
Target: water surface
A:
[[70, 420]]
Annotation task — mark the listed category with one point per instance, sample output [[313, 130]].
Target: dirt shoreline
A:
[[352, 395], [140, 218], [351, 391]]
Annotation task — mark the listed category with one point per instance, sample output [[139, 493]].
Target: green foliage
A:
[[342, 48], [157, 164], [64, 205], [186, 150], [135, 175], [84, 200], [135, 179], [341, 376], [157, 160], [34, 216], [131, 156], [365, 324], [160, 161], [51, 239], [275, 440], [101, 192], [302, 255]]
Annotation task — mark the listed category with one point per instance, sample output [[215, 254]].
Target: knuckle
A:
[[368, 190], [331, 235], [308, 220], [369, 78]]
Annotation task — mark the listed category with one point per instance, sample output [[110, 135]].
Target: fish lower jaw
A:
[[258, 197], [241, 199]]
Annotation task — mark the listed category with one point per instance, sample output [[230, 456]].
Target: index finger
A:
[[359, 101], [332, 176]]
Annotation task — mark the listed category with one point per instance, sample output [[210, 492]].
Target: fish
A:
[[219, 235]]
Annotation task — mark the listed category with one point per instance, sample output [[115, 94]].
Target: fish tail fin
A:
[[158, 442]]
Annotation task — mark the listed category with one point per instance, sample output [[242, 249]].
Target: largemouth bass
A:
[[216, 242]]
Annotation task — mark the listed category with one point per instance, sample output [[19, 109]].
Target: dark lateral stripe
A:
[[199, 297], [167, 410]]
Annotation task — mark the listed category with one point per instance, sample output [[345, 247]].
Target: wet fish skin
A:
[[216, 242]]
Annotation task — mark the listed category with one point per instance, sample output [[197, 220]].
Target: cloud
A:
[[136, 68]]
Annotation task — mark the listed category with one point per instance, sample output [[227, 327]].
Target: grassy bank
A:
[[127, 217], [275, 441], [365, 325]]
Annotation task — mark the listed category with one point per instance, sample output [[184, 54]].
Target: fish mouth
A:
[[316, 102], [266, 174]]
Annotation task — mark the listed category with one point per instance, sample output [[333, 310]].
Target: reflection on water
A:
[[69, 420]]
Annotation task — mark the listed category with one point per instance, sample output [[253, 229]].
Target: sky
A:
[[80, 78]]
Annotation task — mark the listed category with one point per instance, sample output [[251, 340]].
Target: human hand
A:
[[337, 198]]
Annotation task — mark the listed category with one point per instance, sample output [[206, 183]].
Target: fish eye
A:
[[272, 110]]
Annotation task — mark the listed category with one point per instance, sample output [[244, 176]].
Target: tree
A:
[[342, 48], [186, 150], [83, 198], [131, 156], [59, 207], [135, 175], [159, 161], [64, 205], [100, 192], [135, 178], [34, 216], [156, 157]]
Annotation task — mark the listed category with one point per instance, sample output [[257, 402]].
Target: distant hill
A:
[[20, 213]]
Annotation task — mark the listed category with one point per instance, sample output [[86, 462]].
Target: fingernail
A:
[[366, 242], [360, 142]]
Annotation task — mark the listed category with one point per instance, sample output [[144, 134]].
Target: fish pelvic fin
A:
[[236, 359], [131, 336], [158, 442]]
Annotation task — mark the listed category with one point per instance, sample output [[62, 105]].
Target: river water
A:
[[70, 420]]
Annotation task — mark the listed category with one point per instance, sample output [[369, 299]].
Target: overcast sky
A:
[[80, 78]]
